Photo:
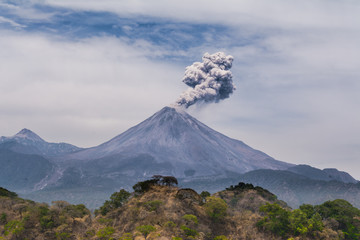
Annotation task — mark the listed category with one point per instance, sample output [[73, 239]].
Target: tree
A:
[[276, 219], [145, 186], [204, 195], [215, 208], [117, 199], [345, 214], [169, 181]]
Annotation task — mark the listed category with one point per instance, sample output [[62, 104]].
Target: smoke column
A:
[[208, 81]]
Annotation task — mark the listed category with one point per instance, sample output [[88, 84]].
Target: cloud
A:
[[49, 84], [315, 14], [296, 68], [11, 22], [25, 10], [209, 81]]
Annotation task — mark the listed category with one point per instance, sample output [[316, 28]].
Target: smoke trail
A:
[[208, 81]]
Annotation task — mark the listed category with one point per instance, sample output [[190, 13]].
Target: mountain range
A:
[[171, 142]]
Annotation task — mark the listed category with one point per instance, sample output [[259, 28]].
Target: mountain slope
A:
[[328, 174], [186, 146], [24, 172], [28, 142]]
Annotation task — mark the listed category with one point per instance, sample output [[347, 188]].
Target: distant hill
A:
[[28, 142], [327, 174]]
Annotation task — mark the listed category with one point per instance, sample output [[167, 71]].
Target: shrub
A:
[[14, 227], [6, 193], [153, 205], [189, 232], [105, 221], [3, 218], [170, 224], [105, 233], [62, 235], [146, 229], [90, 233], [221, 237], [215, 208], [46, 222], [191, 218], [126, 236]]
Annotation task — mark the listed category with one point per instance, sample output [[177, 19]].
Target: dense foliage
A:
[[117, 199], [347, 216], [309, 220], [6, 193], [156, 180], [241, 186], [215, 208]]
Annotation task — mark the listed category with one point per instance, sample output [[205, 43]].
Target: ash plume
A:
[[208, 81]]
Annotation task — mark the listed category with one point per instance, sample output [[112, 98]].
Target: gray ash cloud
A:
[[208, 81]]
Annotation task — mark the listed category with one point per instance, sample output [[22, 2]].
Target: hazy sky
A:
[[84, 71]]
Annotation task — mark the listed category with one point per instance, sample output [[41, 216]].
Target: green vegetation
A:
[[153, 205], [191, 219], [204, 195], [170, 224], [307, 220], [145, 230], [62, 236], [189, 232], [105, 233], [3, 218], [117, 199], [347, 216], [126, 236], [215, 208], [180, 218], [14, 227], [240, 187], [177, 238], [221, 237], [156, 180], [6, 193]]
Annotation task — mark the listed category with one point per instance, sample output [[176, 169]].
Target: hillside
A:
[[166, 212]]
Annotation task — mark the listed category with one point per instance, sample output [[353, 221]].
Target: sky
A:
[[84, 71]]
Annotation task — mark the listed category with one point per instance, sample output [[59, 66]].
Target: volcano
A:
[[171, 142], [174, 143]]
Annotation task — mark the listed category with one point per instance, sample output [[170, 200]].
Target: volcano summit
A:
[[177, 144]]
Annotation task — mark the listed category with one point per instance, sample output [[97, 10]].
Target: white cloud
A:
[[26, 10], [11, 22], [289, 14], [99, 83], [296, 69]]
